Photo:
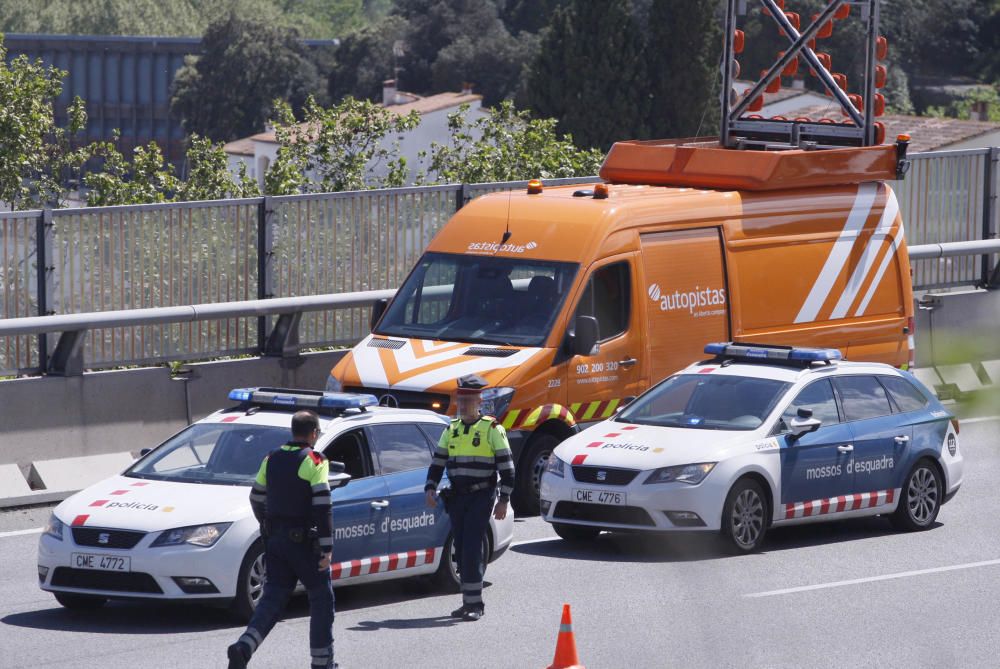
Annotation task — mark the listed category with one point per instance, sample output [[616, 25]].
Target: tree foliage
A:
[[590, 75], [227, 92], [35, 154], [343, 147], [507, 145], [365, 59]]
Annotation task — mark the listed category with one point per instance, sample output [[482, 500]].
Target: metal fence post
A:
[[44, 269], [460, 197], [265, 265], [991, 276]]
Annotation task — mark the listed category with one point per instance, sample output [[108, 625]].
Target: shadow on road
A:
[[686, 547], [125, 618], [405, 624]]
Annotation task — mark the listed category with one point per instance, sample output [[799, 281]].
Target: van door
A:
[[686, 297], [597, 384]]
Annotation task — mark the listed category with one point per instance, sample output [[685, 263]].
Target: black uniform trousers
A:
[[470, 518]]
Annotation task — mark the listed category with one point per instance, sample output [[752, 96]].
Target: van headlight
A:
[[196, 535], [53, 528], [555, 466], [691, 474], [495, 401], [333, 384]]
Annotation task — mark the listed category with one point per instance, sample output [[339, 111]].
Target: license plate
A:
[[599, 497], [102, 562]]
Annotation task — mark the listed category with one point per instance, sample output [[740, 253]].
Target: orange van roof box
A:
[[703, 163]]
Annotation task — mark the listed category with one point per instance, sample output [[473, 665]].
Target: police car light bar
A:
[[772, 352], [306, 399]]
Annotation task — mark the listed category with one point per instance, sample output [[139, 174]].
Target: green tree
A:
[[589, 73], [527, 16], [683, 48], [365, 59], [343, 147], [493, 63], [35, 154], [507, 145], [227, 92]]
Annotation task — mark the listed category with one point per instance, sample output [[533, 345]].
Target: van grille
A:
[[91, 536], [392, 344], [489, 352], [611, 476], [603, 513], [88, 579], [405, 399]]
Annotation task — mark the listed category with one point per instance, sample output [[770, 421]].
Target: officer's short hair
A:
[[304, 423]]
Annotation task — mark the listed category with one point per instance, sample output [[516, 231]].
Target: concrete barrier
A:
[[72, 474]]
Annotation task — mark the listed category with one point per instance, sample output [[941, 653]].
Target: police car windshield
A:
[[220, 453], [706, 402], [479, 299]]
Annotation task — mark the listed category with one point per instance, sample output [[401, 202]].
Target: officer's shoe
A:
[[474, 613], [459, 612], [239, 655]]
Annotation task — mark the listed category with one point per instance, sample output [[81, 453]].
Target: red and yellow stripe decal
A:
[[521, 419]]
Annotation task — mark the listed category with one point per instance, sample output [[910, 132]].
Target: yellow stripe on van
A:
[[591, 410], [511, 418], [533, 417], [611, 408], [575, 408]]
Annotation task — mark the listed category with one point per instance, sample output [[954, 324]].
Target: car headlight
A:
[[555, 466], [196, 535], [495, 401], [53, 528], [691, 474], [333, 384]]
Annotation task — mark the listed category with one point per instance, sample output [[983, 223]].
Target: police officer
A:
[[291, 500], [474, 449]]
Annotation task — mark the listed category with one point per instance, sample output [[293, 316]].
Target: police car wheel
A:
[[447, 576], [920, 498], [576, 533], [527, 487], [250, 586], [744, 517], [80, 602]]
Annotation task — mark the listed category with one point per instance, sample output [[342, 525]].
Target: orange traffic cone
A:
[[566, 645]]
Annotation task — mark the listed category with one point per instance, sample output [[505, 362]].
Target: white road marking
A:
[[981, 419], [874, 579], [17, 533]]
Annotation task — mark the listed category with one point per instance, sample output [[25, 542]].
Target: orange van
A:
[[572, 300]]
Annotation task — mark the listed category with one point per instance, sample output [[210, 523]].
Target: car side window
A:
[[351, 449], [862, 397], [433, 433], [903, 393], [607, 298], [818, 398], [400, 446]]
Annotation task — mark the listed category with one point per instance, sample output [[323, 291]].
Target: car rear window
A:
[[903, 393], [862, 397]]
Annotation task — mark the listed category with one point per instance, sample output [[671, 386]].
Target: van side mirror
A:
[[585, 334], [804, 423], [378, 308]]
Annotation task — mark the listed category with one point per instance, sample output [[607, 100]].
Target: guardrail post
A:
[[44, 270], [460, 197], [265, 265], [990, 280]]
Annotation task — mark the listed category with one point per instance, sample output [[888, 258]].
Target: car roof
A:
[[788, 373], [282, 418]]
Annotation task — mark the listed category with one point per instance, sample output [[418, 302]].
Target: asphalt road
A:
[[852, 594]]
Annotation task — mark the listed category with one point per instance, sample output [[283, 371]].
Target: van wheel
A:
[[80, 602], [250, 586], [576, 534], [527, 486], [448, 577], [920, 498], [744, 517]]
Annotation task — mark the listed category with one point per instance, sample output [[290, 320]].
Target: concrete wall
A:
[[126, 410], [963, 326]]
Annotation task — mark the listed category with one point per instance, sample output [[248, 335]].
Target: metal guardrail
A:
[[165, 255], [284, 338]]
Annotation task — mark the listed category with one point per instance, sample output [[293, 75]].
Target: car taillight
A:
[[954, 424], [911, 328]]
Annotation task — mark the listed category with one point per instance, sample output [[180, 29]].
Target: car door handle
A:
[[902, 439], [846, 448], [380, 504], [627, 362]]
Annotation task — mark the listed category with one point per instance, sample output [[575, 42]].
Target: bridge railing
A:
[[72, 261]]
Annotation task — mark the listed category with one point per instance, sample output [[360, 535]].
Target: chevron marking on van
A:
[[857, 280]]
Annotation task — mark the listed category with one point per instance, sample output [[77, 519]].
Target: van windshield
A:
[[479, 299]]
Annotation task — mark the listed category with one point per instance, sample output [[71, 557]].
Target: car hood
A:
[[140, 504], [611, 444]]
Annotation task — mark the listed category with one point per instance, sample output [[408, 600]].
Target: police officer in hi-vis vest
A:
[[291, 500], [473, 449]]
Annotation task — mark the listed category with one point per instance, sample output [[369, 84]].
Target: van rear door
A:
[[687, 298]]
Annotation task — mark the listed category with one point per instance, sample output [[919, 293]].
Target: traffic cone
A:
[[566, 657]]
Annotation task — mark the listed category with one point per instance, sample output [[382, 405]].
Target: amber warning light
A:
[[534, 187]]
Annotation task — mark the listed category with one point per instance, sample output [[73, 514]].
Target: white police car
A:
[[759, 436], [177, 524]]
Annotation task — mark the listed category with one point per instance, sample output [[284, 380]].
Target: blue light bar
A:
[[241, 394], [347, 401], [766, 352]]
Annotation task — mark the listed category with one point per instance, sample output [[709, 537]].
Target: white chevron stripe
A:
[[857, 278], [370, 370], [838, 255], [890, 254]]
